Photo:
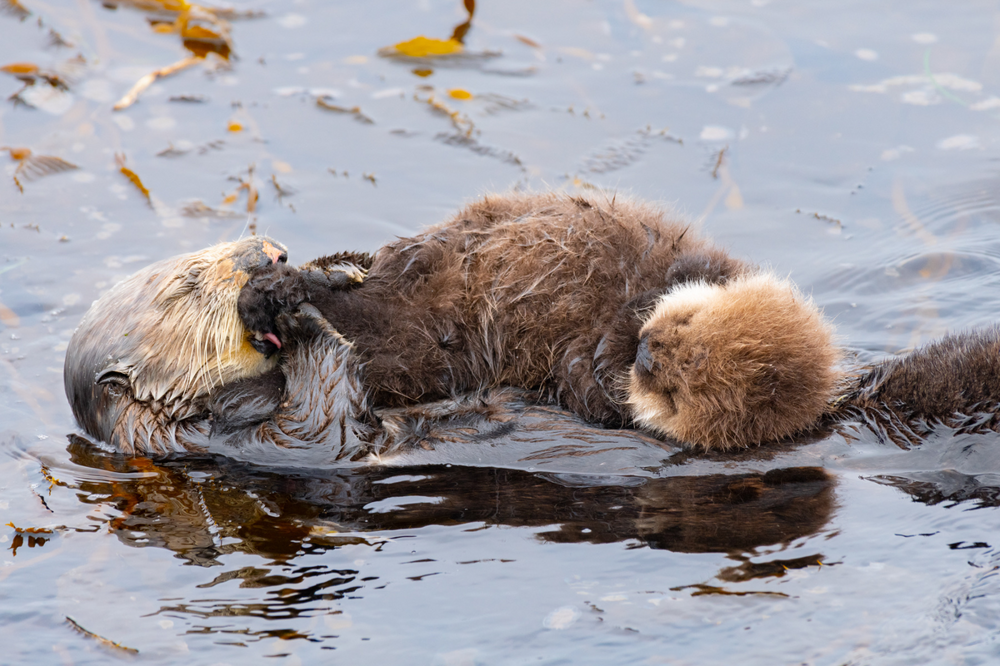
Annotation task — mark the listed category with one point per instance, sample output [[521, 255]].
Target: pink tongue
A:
[[273, 339]]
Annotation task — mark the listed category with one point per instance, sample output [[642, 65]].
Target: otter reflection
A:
[[202, 510]]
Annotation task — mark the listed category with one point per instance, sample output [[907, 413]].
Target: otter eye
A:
[[116, 383]]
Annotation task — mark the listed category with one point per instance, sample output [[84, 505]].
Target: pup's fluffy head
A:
[[733, 365]]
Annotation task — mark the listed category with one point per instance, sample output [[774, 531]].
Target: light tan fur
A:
[[173, 332], [734, 365]]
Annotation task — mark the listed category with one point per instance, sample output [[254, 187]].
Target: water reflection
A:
[[204, 510], [947, 486]]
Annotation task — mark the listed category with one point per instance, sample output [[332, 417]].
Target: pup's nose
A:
[[643, 358]]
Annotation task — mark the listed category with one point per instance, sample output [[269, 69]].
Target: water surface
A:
[[852, 147]]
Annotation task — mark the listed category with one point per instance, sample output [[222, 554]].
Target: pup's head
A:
[[151, 349], [733, 365]]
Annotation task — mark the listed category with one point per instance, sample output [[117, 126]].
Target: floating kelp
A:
[[460, 122], [354, 110], [31, 167], [132, 176], [100, 639], [441, 52], [188, 99], [281, 191], [45, 88], [132, 95], [30, 73], [30, 530], [492, 103], [620, 153], [14, 8], [423, 47], [198, 208], [466, 141], [420, 53], [245, 184], [56, 41], [202, 29]]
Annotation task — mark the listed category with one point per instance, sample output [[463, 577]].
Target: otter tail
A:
[[954, 381]]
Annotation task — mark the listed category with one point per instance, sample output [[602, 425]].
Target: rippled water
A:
[[851, 146]]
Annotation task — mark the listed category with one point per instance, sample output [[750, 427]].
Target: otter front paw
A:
[[304, 326], [264, 297], [733, 365]]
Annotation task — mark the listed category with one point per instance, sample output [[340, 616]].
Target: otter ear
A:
[[117, 382]]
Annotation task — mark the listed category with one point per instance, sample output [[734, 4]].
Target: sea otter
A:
[[604, 306]]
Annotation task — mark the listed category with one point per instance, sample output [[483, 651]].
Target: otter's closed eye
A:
[[117, 383]]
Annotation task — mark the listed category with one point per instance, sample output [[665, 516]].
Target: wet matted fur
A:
[[603, 305]]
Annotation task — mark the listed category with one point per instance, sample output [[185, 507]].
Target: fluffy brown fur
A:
[[724, 366], [549, 292]]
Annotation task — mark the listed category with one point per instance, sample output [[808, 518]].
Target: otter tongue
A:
[[273, 339]]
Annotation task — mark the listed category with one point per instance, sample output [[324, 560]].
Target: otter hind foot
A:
[[724, 366]]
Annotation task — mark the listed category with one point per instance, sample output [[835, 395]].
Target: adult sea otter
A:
[[601, 305]]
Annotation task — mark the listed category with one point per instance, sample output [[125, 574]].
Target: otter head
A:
[[732, 365], [148, 353]]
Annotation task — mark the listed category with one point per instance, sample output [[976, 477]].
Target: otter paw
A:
[[264, 297], [341, 270], [732, 365], [305, 325]]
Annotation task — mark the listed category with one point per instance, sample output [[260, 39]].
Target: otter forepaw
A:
[[725, 366], [264, 297], [305, 325]]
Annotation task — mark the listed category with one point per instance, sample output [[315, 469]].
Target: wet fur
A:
[[601, 305]]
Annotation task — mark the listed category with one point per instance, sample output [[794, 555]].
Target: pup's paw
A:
[[733, 365]]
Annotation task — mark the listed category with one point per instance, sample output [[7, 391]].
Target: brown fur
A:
[[723, 366], [549, 292], [955, 381]]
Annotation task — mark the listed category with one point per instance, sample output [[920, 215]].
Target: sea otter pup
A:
[[603, 306]]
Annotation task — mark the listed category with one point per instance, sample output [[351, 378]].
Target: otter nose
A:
[[643, 358], [275, 254]]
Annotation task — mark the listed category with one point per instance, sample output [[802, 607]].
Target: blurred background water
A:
[[852, 146]]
